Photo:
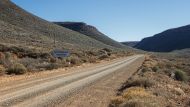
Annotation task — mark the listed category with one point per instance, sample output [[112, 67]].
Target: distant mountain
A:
[[18, 27], [90, 31], [169, 40], [130, 43]]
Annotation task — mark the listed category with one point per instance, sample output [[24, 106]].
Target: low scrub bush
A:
[[155, 68], [74, 60], [116, 101], [92, 59], [5, 59], [135, 92], [2, 70], [146, 69], [102, 57], [107, 50], [140, 82], [181, 76], [135, 97], [52, 66], [16, 69]]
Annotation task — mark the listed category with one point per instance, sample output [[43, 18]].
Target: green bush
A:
[[181, 76], [142, 82], [155, 68], [146, 69], [17, 69], [52, 66]]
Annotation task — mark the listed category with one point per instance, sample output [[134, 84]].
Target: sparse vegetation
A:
[[155, 68], [135, 97], [40, 61], [181, 75], [161, 87], [16, 69], [2, 70], [52, 66], [75, 61], [102, 57], [140, 82]]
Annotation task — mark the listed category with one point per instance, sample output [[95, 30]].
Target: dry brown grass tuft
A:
[[137, 82], [2, 70], [116, 101], [135, 97], [136, 92]]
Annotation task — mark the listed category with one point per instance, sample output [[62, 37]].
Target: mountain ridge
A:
[[90, 31], [166, 41]]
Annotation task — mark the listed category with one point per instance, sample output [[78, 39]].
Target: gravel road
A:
[[51, 91]]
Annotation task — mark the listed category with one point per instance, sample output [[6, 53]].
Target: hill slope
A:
[[19, 27], [173, 39], [130, 43], [90, 31]]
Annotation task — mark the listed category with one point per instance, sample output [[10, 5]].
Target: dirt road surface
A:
[[75, 89]]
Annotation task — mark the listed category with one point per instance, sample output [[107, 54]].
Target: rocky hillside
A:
[[90, 31], [18, 27], [169, 40]]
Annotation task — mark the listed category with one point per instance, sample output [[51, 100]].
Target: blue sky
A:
[[122, 20]]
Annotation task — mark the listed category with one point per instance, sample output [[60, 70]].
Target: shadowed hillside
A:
[[90, 31], [173, 39]]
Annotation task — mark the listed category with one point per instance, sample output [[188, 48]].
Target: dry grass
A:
[[155, 85], [136, 92], [2, 70], [137, 82], [36, 61], [135, 97]]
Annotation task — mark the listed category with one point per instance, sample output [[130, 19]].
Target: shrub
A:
[[116, 101], [92, 59], [155, 68], [181, 76], [135, 91], [2, 71], [53, 60], [142, 82], [52, 66], [132, 103], [107, 50], [16, 69], [5, 59], [135, 97], [146, 69], [102, 57], [74, 60], [7, 55]]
